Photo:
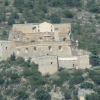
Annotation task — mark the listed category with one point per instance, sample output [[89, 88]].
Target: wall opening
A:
[[47, 54], [26, 39], [68, 31], [60, 48], [73, 65], [6, 48], [14, 39], [26, 50], [64, 39], [34, 49], [50, 48], [51, 63], [40, 38], [18, 51], [18, 38]]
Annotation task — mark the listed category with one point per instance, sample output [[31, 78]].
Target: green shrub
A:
[[97, 16], [67, 14], [15, 78], [76, 80], [9, 91], [21, 93], [41, 94], [54, 18], [67, 95], [93, 96], [87, 85], [94, 8]]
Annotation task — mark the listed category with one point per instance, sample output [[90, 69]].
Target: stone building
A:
[[50, 45]]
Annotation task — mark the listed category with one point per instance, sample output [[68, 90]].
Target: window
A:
[[18, 38], [26, 50], [26, 39], [6, 48], [18, 51], [51, 63], [40, 38], [34, 49], [60, 48], [64, 39], [50, 48], [14, 38], [38, 30], [51, 30]]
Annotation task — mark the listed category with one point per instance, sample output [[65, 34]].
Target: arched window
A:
[[18, 51], [34, 49], [50, 48], [14, 38], [18, 38], [60, 48], [6, 48], [64, 39], [26, 50]]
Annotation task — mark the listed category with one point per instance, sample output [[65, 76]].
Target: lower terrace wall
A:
[[48, 64]]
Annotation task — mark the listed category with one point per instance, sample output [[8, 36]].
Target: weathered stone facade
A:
[[49, 45]]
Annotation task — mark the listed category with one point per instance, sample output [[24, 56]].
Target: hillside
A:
[[82, 14], [21, 80]]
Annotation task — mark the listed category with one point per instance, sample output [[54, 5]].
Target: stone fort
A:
[[49, 45]]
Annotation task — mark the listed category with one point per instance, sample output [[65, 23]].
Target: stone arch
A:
[[68, 30], [26, 39], [64, 39], [18, 38], [40, 39], [60, 48], [6, 48], [14, 39], [50, 48], [34, 49], [18, 51], [26, 50]]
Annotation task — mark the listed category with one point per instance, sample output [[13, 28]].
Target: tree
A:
[[93, 96], [11, 21], [41, 94], [87, 85], [13, 57], [68, 14], [94, 8], [15, 15], [6, 3], [55, 18], [21, 93], [94, 56], [67, 95]]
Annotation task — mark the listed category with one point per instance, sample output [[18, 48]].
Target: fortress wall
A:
[[68, 62], [48, 64], [28, 37], [63, 28], [43, 49], [24, 28], [83, 61], [13, 36], [7, 49]]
